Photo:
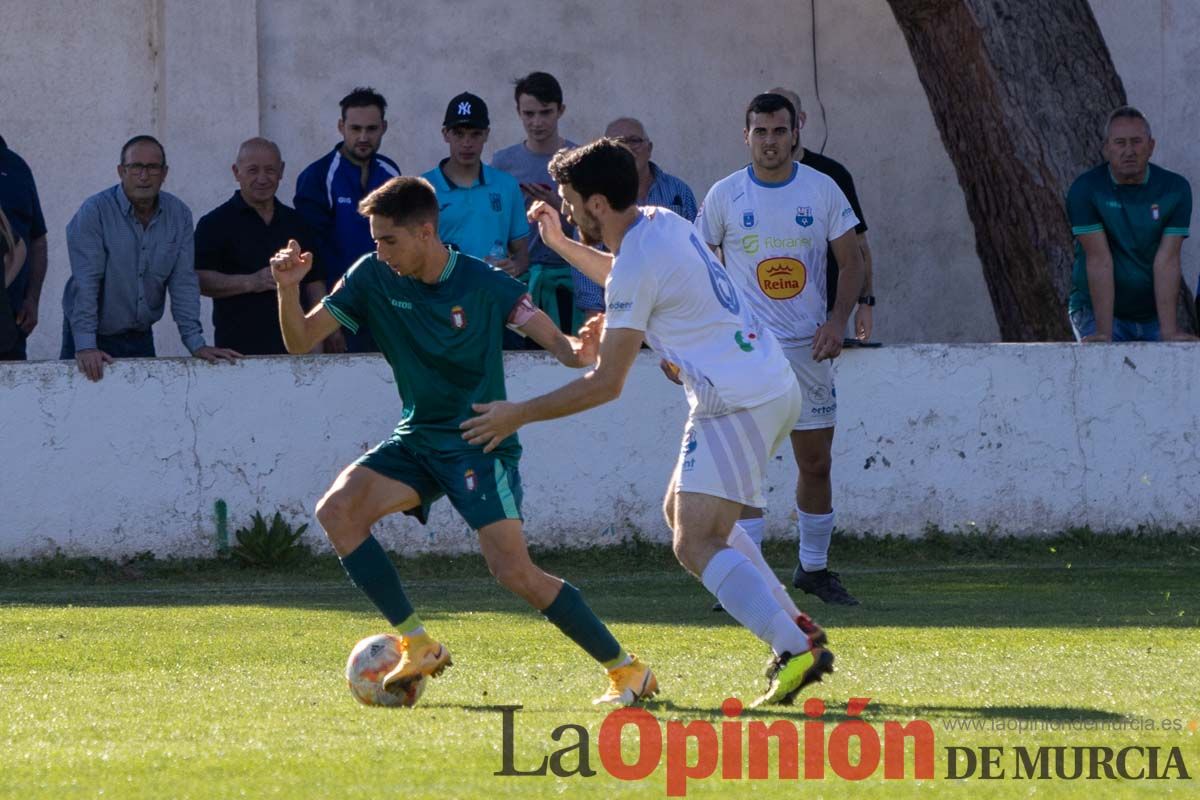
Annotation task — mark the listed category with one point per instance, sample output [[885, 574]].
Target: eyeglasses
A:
[[149, 169], [631, 141]]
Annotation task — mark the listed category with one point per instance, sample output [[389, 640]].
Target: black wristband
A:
[[867, 300]]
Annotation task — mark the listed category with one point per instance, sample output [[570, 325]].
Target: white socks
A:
[[740, 587], [753, 528], [815, 532], [741, 541]]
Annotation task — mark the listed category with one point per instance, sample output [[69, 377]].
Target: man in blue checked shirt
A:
[[130, 245], [328, 191], [655, 188]]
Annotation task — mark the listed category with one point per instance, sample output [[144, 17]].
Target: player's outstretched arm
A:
[[300, 331], [591, 262], [571, 351], [497, 421]]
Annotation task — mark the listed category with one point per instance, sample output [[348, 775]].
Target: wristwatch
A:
[[867, 300]]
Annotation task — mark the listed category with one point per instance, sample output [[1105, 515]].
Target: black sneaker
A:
[[824, 584]]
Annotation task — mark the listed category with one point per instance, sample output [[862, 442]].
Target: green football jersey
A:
[[1134, 218], [442, 340]]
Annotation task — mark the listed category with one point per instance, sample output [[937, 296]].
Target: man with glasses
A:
[[130, 245], [655, 188]]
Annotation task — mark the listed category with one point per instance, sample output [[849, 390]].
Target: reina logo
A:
[[782, 278]]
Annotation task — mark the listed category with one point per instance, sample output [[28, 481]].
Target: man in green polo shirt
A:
[[437, 316], [1130, 218]]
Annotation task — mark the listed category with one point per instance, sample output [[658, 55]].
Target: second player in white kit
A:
[[772, 223]]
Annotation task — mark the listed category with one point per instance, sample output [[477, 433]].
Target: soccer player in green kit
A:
[[438, 317]]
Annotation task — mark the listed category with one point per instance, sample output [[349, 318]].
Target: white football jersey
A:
[[668, 284], [774, 239]]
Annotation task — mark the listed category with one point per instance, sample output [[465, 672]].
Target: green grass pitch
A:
[[222, 683]]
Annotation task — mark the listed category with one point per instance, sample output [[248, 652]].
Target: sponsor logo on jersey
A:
[[748, 218], [786, 242], [804, 216], [689, 446], [782, 278], [1154, 211], [458, 317], [345, 201], [847, 211], [745, 341], [620, 305], [495, 198], [750, 244], [469, 480], [407, 306]]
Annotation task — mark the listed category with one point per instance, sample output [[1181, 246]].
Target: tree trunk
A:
[[1020, 93]]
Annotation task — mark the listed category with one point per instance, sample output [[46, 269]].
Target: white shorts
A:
[[727, 456], [816, 382]]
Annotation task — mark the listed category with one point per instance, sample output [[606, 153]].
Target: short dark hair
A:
[[145, 137], [1126, 112], [407, 200], [541, 85], [769, 103], [605, 167], [361, 97]]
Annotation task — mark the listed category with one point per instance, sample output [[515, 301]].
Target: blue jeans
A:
[[131, 344], [1083, 321]]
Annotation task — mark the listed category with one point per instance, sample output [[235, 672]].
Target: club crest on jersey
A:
[[748, 218], [495, 198], [1154, 211], [469, 480], [804, 216], [458, 318]]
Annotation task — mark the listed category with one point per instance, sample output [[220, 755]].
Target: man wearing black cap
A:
[[481, 210]]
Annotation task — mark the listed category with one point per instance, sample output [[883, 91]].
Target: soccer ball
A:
[[372, 659]]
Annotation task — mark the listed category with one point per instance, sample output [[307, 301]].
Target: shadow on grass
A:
[[875, 713]]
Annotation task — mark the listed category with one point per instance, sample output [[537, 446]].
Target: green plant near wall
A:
[[269, 545]]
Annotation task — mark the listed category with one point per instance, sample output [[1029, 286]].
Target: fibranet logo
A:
[[786, 242], [750, 244], [782, 278]]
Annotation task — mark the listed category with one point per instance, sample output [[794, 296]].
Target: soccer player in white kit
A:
[[772, 222], [663, 284]]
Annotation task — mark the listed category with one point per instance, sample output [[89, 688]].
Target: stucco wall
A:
[[1020, 438], [81, 77]]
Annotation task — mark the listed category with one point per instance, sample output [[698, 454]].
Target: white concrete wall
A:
[[81, 77], [1019, 438]]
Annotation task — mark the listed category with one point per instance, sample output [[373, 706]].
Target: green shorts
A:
[[483, 487]]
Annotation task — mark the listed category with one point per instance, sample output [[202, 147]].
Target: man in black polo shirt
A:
[[865, 313], [234, 245], [19, 200]]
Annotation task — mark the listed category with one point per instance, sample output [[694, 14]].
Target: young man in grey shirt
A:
[[540, 106]]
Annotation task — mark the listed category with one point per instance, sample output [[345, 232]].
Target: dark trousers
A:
[[129, 344]]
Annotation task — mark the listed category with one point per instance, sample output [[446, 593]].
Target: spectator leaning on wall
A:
[[234, 245], [19, 201], [129, 246], [1129, 218], [328, 192]]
